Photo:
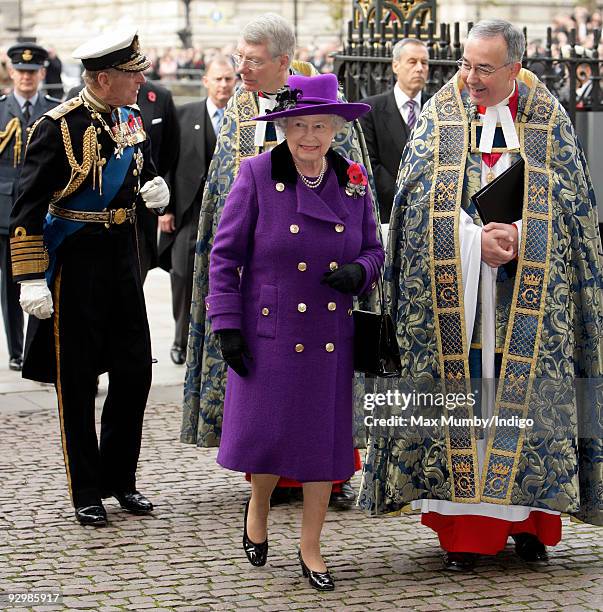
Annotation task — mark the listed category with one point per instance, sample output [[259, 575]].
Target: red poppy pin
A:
[[131, 123], [151, 96], [356, 181]]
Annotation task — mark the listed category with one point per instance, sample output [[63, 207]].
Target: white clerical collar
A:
[[499, 113], [21, 100], [402, 98], [265, 102]]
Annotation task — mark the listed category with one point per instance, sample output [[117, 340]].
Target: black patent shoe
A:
[[256, 553], [15, 364], [321, 581], [134, 502], [91, 515], [344, 498], [529, 548], [177, 354], [459, 561]]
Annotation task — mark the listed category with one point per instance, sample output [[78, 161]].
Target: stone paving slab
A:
[[188, 556]]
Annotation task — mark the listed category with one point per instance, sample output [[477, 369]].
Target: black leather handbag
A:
[[376, 351]]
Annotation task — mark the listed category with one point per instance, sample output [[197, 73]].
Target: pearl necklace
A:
[[313, 183]]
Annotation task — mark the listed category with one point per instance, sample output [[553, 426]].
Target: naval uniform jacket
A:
[[9, 173], [292, 415], [46, 171]]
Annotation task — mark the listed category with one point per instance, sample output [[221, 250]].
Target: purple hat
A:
[[315, 95]]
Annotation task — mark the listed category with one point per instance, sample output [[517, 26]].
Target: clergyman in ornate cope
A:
[[526, 341]]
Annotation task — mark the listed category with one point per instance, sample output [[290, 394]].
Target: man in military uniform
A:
[[73, 247], [18, 111]]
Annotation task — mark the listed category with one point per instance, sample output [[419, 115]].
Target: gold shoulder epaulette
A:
[[62, 109], [303, 68]]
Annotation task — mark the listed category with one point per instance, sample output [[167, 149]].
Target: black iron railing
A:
[[364, 66]]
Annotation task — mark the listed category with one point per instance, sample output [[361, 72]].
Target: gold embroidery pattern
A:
[[246, 108], [12, 129], [527, 309], [451, 132], [28, 254]]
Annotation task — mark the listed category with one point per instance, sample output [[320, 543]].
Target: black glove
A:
[[347, 279], [233, 349]]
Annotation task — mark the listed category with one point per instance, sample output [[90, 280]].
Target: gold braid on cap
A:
[[13, 128], [79, 172]]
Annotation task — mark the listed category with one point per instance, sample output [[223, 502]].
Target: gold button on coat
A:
[[299, 348], [333, 266], [331, 305], [329, 347], [339, 228], [294, 229], [280, 187], [302, 266], [265, 311], [302, 307]]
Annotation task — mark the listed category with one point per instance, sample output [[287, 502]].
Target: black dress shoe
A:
[[91, 515], [459, 561], [178, 354], [529, 548], [281, 495], [256, 553], [321, 581], [134, 502], [15, 364], [344, 498]]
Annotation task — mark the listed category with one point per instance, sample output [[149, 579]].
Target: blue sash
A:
[[57, 229]]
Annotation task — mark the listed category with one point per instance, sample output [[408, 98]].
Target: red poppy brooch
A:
[[151, 96], [356, 181]]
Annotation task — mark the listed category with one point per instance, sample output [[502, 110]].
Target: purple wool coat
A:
[[292, 414]]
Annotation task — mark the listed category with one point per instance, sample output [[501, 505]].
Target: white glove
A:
[[36, 298], [155, 193]]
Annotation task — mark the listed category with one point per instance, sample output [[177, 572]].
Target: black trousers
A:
[[100, 325], [9, 297], [181, 274]]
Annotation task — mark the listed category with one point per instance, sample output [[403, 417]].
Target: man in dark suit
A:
[[199, 124], [393, 115], [161, 125], [18, 112]]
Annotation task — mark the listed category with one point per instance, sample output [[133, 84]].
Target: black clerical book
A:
[[502, 199]]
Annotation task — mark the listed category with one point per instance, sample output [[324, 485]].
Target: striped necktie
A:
[[412, 117]]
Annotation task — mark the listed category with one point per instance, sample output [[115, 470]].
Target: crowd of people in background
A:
[[172, 64], [175, 64]]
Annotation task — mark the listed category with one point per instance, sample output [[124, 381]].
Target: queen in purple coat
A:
[[296, 241]]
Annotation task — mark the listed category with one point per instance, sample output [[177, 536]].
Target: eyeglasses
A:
[[239, 62], [483, 71]]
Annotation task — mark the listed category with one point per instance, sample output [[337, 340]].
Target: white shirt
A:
[[402, 99]]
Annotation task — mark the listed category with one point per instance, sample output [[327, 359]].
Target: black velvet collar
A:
[[283, 168]]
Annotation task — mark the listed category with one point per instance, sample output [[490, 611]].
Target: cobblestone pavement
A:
[[187, 556]]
